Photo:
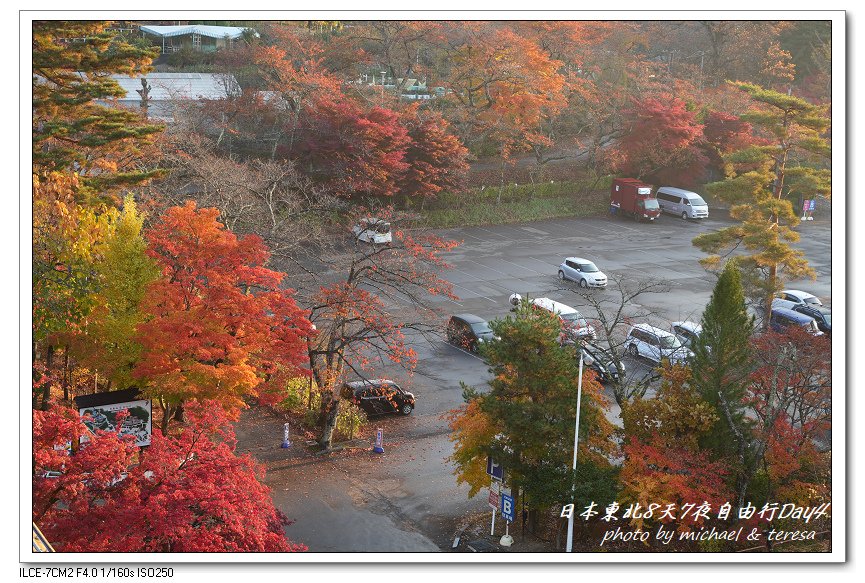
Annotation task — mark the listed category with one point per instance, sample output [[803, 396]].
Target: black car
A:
[[380, 396], [602, 362], [822, 315], [467, 331]]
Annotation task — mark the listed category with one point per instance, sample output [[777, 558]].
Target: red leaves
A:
[[217, 317], [663, 142], [188, 493]]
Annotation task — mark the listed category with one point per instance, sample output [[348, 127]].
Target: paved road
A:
[[407, 499]]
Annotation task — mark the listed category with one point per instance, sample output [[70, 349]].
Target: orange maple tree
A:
[[219, 325]]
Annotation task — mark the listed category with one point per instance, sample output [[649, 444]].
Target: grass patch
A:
[[487, 212]]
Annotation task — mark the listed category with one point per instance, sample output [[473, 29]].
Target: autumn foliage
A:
[[184, 493], [219, 325], [663, 143]]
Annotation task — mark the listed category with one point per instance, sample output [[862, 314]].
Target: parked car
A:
[[682, 203], [821, 315], [799, 297], [602, 362], [468, 331], [656, 344], [781, 303], [373, 230], [687, 332], [574, 325], [380, 396], [583, 272], [782, 318]]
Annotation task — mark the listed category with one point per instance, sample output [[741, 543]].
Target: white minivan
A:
[[683, 203]]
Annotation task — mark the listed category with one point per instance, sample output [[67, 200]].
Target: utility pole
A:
[[570, 545]]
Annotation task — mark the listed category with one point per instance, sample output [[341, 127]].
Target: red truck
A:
[[629, 196]]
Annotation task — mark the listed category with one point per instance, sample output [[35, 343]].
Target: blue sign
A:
[[811, 204], [496, 471], [507, 507]]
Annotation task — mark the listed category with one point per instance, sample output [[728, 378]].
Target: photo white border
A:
[[839, 283]]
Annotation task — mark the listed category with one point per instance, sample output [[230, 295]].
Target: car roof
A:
[[813, 307], [674, 190], [469, 318], [369, 383], [578, 260], [650, 328], [690, 326], [554, 306], [798, 293], [792, 314]]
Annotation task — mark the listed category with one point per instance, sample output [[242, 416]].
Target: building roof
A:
[[170, 86], [231, 32]]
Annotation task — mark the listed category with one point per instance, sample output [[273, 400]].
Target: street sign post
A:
[[507, 507], [494, 496], [508, 514], [495, 471]]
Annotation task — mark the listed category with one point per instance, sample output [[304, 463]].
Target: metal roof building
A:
[[174, 38], [167, 89]]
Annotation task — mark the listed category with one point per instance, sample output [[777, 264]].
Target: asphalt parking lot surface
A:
[[407, 499]]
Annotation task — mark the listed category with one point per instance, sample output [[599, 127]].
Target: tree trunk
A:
[[66, 374], [179, 413], [328, 415], [166, 417], [46, 390]]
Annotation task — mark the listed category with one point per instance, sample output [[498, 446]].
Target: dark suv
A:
[[380, 396], [823, 316], [467, 331]]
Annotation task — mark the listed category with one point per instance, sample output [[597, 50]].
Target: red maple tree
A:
[[188, 492], [218, 324], [662, 143]]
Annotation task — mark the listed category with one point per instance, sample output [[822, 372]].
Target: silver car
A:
[[583, 272]]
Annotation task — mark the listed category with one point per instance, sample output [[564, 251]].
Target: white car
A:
[[799, 297], [687, 332], [373, 230], [583, 272], [574, 325], [656, 344]]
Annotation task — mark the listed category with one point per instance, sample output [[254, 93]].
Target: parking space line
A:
[[472, 292], [521, 266], [464, 351], [490, 268]]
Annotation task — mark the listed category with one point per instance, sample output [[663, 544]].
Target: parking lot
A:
[[408, 498]]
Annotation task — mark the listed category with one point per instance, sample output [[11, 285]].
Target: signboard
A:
[[806, 205], [507, 508], [379, 441], [494, 496], [102, 409], [496, 471], [811, 205]]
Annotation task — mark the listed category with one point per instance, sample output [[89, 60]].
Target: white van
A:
[[574, 326], [683, 203]]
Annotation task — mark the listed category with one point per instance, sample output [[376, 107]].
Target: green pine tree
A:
[[531, 407], [72, 64], [762, 186], [720, 367]]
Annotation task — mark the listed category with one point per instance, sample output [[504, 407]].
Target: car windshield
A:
[[651, 204], [812, 300], [670, 342], [574, 318], [697, 201], [588, 267], [828, 318], [481, 328]]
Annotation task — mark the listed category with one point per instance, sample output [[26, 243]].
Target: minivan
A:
[[468, 331], [373, 230], [574, 325], [684, 203], [380, 396], [656, 344], [783, 318]]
